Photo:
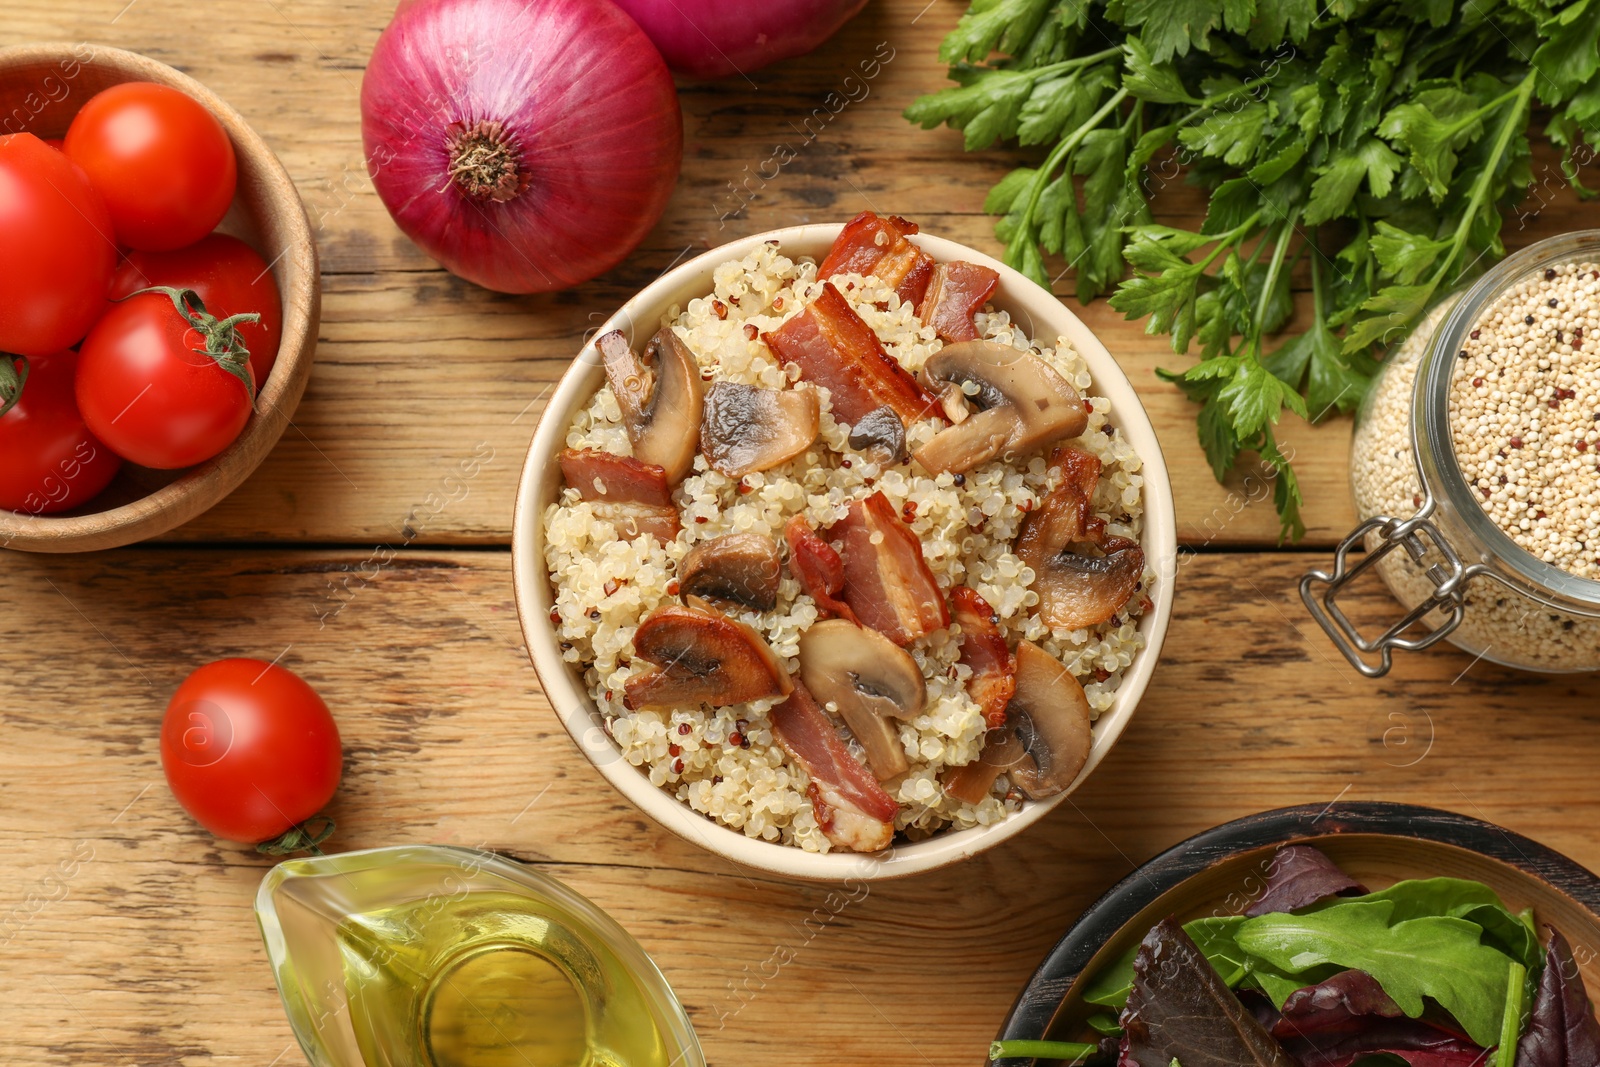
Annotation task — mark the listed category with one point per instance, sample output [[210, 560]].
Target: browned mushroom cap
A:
[[747, 429], [971, 782], [1023, 405], [881, 432], [870, 680], [660, 397], [741, 568], [702, 657], [1076, 590], [1081, 591], [1049, 717]]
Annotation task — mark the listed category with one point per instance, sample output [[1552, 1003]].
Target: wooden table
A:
[[126, 932]]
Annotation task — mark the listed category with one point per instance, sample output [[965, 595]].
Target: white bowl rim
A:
[[1017, 294]]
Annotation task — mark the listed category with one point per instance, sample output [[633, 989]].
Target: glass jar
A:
[[427, 956], [1458, 573]]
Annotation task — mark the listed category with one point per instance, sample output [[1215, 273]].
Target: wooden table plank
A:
[[145, 948], [416, 368]]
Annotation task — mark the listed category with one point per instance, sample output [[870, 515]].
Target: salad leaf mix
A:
[[1375, 141], [1433, 972]]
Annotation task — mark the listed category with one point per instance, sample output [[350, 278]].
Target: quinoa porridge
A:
[[846, 597], [1523, 402]]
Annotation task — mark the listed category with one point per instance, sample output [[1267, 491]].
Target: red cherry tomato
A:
[[49, 461], [56, 251], [148, 389], [249, 749], [229, 276], [162, 161]]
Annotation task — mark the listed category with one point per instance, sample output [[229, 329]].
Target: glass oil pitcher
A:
[[423, 956]]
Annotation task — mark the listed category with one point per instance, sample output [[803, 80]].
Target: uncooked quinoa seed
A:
[[1523, 409]]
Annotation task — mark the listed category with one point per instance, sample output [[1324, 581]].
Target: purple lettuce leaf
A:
[[1349, 1017], [1562, 1031], [1299, 877], [1179, 1008]]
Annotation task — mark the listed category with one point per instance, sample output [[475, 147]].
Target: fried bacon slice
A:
[[956, 292], [852, 809], [887, 583], [834, 347], [635, 497], [598, 475], [875, 244], [818, 567], [983, 648]]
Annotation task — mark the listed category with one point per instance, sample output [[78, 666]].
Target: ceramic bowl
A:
[[42, 86], [1042, 316], [1221, 870]]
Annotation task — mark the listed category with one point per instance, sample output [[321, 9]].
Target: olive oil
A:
[[461, 960]]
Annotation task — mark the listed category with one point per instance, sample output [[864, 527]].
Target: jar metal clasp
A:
[[1416, 535]]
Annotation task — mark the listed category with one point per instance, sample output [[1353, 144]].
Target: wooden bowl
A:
[[42, 86], [1043, 317], [1221, 871]]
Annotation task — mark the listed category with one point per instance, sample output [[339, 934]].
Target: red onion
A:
[[715, 38], [528, 145]]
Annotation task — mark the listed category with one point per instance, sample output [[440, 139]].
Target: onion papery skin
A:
[[718, 38], [578, 93]]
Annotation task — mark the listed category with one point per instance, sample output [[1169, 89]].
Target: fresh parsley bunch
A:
[[1378, 140]]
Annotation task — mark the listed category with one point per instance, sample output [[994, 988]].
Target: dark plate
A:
[[1221, 870]]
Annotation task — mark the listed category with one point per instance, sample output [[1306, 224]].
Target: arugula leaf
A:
[[1432, 956]]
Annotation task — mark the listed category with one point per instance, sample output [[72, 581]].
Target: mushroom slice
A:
[[818, 567], [851, 807], [701, 657], [1024, 405], [870, 680], [880, 432], [746, 429], [1076, 590], [972, 782], [660, 397], [739, 568], [983, 648], [1049, 717]]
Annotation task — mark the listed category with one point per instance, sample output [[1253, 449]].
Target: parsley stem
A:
[[1051, 69], [1279, 249], [1060, 152], [1480, 187], [1230, 238]]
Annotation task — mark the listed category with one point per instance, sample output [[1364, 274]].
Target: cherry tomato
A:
[[49, 461], [149, 390], [229, 276], [249, 749], [56, 252], [162, 161]]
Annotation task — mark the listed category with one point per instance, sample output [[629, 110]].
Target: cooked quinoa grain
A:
[[725, 762]]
